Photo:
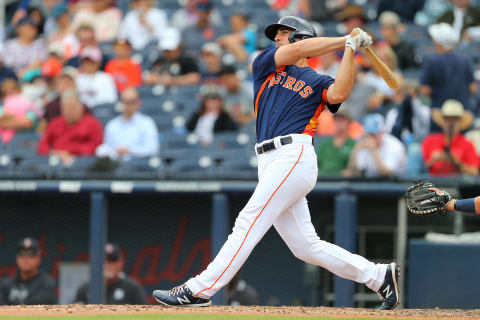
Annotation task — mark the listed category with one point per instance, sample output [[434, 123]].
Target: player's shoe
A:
[[180, 296], [389, 290]]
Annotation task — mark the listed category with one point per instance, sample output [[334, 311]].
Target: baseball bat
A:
[[383, 70]]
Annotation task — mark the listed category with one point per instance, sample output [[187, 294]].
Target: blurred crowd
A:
[[65, 64], [30, 285]]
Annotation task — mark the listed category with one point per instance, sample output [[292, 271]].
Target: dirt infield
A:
[[256, 310]]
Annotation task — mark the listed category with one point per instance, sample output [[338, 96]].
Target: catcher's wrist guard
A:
[[466, 205]]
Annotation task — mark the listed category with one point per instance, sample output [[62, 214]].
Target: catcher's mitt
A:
[[422, 201]]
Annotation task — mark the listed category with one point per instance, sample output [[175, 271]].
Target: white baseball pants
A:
[[286, 175]]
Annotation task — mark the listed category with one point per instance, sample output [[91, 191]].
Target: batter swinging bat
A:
[[381, 67]]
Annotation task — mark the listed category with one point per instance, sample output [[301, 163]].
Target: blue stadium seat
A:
[[231, 140], [146, 168], [38, 167], [105, 112], [239, 168], [78, 169], [191, 168], [174, 141], [6, 165], [23, 145]]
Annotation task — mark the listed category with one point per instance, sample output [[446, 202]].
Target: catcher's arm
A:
[[471, 205]]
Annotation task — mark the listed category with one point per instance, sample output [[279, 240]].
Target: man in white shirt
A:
[[143, 24], [377, 153], [131, 134], [94, 86]]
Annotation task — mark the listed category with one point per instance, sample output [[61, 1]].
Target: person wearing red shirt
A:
[[449, 152], [125, 71], [73, 133]]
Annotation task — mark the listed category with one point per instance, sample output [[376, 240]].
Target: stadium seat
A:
[[23, 145], [239, 168], [6, 165], [231, 140], [79, 169], [191, 168], [174, 141], [145, 168], [38, 167]]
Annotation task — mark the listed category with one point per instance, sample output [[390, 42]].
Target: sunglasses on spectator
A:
[[27, 253]]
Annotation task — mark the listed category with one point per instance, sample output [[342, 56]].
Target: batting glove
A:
[[351, 42]]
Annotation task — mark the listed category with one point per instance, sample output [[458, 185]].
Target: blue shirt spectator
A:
[[447, 75], [131, 134]]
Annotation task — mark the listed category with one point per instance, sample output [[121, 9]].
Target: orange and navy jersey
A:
[[287, 99]]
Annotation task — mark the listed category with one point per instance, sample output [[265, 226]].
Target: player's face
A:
[[28, 261], [281, 38]]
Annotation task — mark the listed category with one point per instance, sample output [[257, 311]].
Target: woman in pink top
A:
[[18, 113]]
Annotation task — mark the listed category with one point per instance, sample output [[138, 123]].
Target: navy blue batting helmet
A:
[[301, 29]]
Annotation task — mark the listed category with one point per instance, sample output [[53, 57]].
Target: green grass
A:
[[192, 316]]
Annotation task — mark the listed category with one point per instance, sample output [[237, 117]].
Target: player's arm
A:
[[291, 53], [340, 90]]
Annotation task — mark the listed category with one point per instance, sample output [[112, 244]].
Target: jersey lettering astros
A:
[[287, 99]]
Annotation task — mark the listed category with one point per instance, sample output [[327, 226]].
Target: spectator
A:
[[406, 9], [17, 113], [242, 41], [86, 38], [188, 16], [410, 120], [449, 152], [352, 16], [64, 37], [94, 86], [239, 96], [103, 16], [333, 152], [210, 119], [173, 68], [30, 285], [464, 19], [203, 31], [120, 288], [124, 70], [24, 52], [210, 63], [143, 24], [377, 153], [73, 133], [63, 82], [405, 51], [131, 134], [446, 75]]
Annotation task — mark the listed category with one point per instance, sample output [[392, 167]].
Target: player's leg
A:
[[296, 229], [284, 176]]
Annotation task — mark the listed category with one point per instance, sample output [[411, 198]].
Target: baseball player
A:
[[289, 96]]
